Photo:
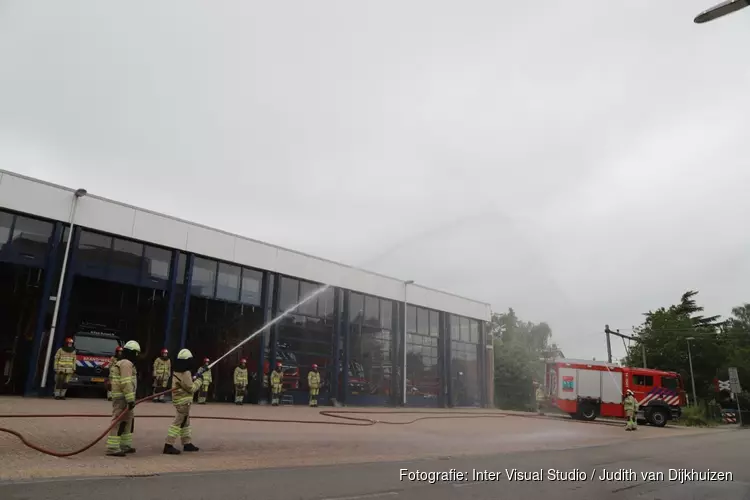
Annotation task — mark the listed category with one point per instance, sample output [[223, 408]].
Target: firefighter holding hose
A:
[[162, 371], [313, 381], [112, 361], [277, 380], [631, 408], [183, 387], [122, 377], [240, 382], [206, 373], [64, 366]]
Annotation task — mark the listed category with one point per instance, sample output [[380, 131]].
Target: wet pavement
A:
[[234, 445]]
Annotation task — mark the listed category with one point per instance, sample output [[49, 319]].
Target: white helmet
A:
[[132, 345], [629, 392], [184, 354]]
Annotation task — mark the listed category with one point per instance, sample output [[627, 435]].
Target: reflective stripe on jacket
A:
[[207, 377], [313, 380], [125, 382], [240, 376], [184, 387], [630, 404], [162, 368], [114, 380], [65, 362], [276, 378]]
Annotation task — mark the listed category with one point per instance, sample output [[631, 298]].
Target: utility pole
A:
[[622, 335]]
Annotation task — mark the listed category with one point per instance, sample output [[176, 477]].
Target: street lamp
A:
[[406, 315], [721, 10], [692, 377], [79, 193]]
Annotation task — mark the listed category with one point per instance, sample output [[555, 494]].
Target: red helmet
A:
[[206, 361], [118, 349], [164, 351], [314, 366], [243, 361], [68, 340], [278, 364]]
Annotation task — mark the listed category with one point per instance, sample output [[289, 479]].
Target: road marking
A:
[[371, 495]]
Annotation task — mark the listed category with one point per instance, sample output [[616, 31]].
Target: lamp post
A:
[[721, 10], [80, 193], [406, 315], [692, 377]]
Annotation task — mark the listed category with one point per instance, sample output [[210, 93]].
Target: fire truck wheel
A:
[[658, 418], [587, 412]]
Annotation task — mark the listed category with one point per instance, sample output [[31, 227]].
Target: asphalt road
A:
[[720, 452]]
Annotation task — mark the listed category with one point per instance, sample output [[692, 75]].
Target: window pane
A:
[[251, 286], [289, 293], [93, 253], [6, 220], [372, 311], [158, 261], [454, 327], [228, 284], [434, 323], [309, 308], [474, 331], [181, 265], [30, 239], [325, 303], [464, 329], [423, 322], [411, 319], [126, 261], [386, 314], [356, 308], [204, 277]]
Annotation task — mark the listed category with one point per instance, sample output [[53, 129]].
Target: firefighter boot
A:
[[115, 453], [190, 447], [170, 450], [128, 449]]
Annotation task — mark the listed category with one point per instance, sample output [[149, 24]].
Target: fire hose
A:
[[347, 415]]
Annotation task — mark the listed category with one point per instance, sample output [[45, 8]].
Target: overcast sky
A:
[[582, 162]]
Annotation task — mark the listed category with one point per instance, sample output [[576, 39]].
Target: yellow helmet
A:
[[184, 354], [132, 345]]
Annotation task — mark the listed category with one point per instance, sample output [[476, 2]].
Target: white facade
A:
[[43, 199]]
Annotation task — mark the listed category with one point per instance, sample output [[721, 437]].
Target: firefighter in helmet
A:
[[539, 396], [162, 371], [206, 373], [240, 382], [631, 408], [64, 366], [277, 381], [114, 359], [313, 381], [184, 388], [122, 377]]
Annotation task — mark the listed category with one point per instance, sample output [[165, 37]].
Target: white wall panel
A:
[[160, 230], [53, 202], [210, 243], [103, 215], [254, 254]]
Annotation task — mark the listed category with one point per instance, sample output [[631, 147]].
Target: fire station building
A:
[[166, 282]]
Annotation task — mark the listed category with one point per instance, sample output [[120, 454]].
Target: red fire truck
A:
[[589, 389]]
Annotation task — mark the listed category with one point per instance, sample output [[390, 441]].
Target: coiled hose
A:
[[339, 414]]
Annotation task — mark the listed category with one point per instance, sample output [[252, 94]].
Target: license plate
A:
[[98, 379]]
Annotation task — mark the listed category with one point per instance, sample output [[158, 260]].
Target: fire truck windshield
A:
[[89, 344], [670, 383]]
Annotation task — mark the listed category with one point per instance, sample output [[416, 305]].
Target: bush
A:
[[695, 416]]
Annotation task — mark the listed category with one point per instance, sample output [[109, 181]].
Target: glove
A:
[[131, 405], [198, 375]]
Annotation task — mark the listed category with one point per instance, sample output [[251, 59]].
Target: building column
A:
[[448, 359], [489, 353], [50, 270], [395, 372], [172, 292], [401, 360], [482, 366], [266, 299], [62, 318], [442, 372], [274, 333], [333, 386], [186, 305], [343, 368]]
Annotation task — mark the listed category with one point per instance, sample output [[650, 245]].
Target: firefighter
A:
[[631, 408], [277, 380], [122, 377], [162, 371], [184, 388], [313, 381], [240, 382], [206, 373], [65, 366], [539, 394], [114, 359]]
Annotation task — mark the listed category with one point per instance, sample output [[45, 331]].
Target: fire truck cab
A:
[[590, 389]]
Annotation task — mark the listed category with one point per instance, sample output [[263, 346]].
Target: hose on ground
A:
[[351, 420]]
